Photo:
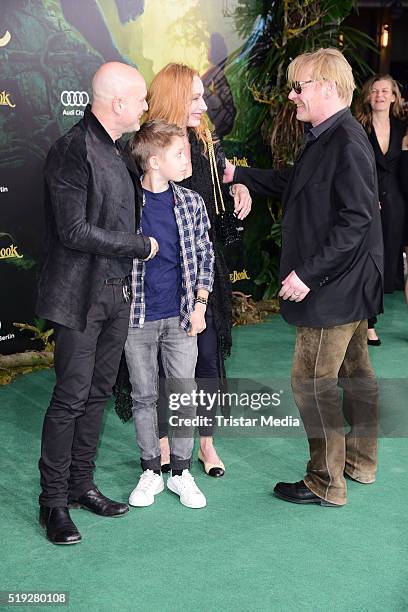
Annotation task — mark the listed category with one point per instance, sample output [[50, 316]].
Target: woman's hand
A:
[[242, 201], [405, 143]]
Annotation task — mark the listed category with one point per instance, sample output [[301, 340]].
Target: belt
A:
[[124, 283], [117, 281]]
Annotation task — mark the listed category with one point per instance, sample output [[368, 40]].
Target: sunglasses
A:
[[297, 85]]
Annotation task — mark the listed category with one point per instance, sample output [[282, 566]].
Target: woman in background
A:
[[380, 111]]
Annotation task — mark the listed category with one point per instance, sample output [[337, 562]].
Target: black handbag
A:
[[228, 229]]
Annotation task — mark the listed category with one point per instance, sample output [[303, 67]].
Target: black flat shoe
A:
[[298, 493], [165, 468], [374, 342], [94, 501], [214, 470], [59, 526]]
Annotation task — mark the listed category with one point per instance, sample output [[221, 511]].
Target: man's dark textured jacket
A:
[[331, 228], [82, 198]]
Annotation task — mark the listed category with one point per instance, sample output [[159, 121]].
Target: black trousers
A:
[[86, 365], [207, 375]]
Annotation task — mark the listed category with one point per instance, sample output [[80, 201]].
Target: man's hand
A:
[[242, 200], [293, 288], [228, 172], [154, 248], [197, 320]]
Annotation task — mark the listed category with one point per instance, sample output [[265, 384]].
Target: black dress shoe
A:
[[165, 468], [94, 501], [299, 493], [374, 342], [60, 528]]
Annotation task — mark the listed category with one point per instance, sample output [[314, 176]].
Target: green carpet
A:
[[246, 550]]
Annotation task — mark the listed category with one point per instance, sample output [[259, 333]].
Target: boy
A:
[[168, 307]]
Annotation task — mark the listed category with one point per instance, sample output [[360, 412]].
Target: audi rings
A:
[[74, 98]]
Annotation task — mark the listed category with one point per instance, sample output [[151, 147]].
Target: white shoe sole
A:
[[149, 503], [173, 490]]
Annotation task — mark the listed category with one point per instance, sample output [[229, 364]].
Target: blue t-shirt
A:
[[162, 280]]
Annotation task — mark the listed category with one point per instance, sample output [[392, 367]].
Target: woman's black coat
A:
[[392, 170]]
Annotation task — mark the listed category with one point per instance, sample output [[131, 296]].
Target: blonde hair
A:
[[169, 97], [364, 112], [327, 65], [151, 139]]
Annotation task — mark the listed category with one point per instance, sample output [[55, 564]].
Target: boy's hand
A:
[[153, 248], [197, 320]]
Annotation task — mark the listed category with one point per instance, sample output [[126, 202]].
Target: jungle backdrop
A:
[[49, 50]]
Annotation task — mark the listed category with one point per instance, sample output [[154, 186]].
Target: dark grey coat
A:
[[331, 227]]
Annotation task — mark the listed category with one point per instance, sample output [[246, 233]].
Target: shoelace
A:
[[146, 480], [187, 482]]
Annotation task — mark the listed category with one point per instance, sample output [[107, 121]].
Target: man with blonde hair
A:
[[92, 204], [331, 275]]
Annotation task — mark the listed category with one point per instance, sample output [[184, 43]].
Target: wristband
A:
[[201, 300]]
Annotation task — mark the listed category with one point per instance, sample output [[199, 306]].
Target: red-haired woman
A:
[[176, 96]]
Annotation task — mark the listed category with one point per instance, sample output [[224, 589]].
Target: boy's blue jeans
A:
[[179, 357]]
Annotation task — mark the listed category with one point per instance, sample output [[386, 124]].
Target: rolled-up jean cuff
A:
[[177, 463], [150, 464]]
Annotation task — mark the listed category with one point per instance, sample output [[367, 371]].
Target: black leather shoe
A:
[[60, 528], [298, 493], [165, 468], [374, 342], [94, 501]]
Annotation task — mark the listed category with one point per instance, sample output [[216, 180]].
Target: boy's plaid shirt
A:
[[196, 257]]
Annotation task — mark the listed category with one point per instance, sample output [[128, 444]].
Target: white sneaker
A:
[[185, 487], [148, 486]]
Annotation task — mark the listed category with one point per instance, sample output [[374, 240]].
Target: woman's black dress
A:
[[391, 169], [200, 181]]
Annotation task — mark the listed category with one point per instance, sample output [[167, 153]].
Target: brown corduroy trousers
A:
[[327, 360]]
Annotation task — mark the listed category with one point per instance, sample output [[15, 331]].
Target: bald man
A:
[[92, 206]]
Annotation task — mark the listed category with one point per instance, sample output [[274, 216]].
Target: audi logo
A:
[[74, 98]]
